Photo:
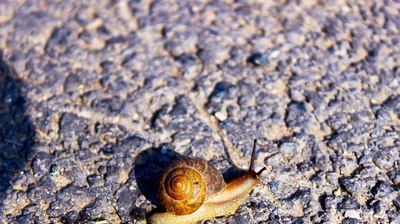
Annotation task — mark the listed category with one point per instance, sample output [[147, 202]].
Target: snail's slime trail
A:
[[231, 152]]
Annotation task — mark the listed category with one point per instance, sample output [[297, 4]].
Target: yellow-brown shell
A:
[[187, 183]]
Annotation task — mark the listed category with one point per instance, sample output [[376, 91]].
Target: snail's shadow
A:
[[232, 173], [16, 131]]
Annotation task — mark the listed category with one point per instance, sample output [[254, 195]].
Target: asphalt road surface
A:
[[96, 97]]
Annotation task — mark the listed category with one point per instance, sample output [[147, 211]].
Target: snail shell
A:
[[191, 190], [187, 183]]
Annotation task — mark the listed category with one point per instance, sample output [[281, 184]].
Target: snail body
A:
[[191, 190]]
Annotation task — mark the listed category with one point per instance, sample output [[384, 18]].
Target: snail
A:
[[191, 190]]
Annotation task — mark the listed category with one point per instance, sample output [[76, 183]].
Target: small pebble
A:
[[221, 115]]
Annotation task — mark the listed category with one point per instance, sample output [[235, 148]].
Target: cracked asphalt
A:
[[96, 97]]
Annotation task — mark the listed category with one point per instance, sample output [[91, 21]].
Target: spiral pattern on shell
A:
[[178, 186], [182, 191]]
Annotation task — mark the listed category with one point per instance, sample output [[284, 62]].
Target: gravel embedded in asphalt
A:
[[96, 97]]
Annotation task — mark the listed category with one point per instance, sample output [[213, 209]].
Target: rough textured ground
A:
[[96, 97]]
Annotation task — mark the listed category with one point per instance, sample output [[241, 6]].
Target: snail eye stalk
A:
[[253, 154], [253, 157]]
